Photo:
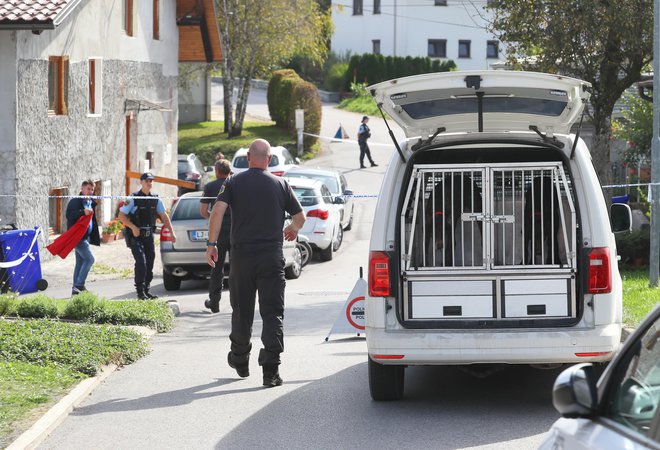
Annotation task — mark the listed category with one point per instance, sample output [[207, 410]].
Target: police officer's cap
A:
[[147, 176]]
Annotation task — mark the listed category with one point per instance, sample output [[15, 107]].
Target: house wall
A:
[[194, 98], [406, 29], [60, 151], [7, 127]]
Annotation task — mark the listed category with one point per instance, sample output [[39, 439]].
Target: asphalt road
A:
[[183, 395]]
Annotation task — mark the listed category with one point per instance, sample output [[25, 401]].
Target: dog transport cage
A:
[[494, 241]]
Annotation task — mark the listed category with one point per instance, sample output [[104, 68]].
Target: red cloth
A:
[[68, 240]]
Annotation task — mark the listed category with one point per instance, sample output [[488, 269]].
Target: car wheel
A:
[[350, 221], [326, 253], [385, 382], [293, 271], [305, 253], [171, 282], [336, 243]]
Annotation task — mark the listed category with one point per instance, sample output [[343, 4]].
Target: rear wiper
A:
[[396, 144], [422, 143], [553, 140]]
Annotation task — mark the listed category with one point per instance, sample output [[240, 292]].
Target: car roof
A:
[[311, 171], [303, 182], [191, 194], [243, 151]]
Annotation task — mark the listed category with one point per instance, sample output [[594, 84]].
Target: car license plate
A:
[[199, 235]]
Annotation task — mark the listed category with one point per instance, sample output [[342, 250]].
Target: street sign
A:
[[351, 317]]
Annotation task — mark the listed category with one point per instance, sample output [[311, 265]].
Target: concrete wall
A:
[[7, 127], [194, 99], [60, 151], [411, 25]]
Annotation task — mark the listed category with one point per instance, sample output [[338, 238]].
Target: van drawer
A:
[[452, 300], [536, 298]]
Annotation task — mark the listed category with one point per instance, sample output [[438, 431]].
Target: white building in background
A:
[[443, 29]]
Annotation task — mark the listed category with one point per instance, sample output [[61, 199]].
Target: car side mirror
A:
[[209, 168], [574, 392], [348, 192], [620, 218], [339, 201], [297, 160]]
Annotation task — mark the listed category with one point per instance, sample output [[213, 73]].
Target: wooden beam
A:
[[164, 180]]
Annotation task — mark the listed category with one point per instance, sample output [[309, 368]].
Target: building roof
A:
[[199, 37], [34, 14]]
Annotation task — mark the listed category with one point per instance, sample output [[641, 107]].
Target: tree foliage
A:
[[257, 36], [636, 128], [604, 42]]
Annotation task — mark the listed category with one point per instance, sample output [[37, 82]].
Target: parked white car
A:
[[281, 161], [338, 186], [619, 410], [491, 241], [322, 227]]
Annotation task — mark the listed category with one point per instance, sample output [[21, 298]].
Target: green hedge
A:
[[634, 246], [280, 88], [370, 68]]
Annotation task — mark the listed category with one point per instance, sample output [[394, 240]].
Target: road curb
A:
[[40, 430]]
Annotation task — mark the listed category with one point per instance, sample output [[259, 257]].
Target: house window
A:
[[156, 19], [58, 85], [463, 49], [56, 210], [492, 49], [375, 45], [357, 7], [438, 48], [376, 6], [94, 91], [129, 19], [440, 3]]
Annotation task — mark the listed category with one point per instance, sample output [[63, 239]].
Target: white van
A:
[[491, 240]]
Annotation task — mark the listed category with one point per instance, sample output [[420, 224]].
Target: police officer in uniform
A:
[[259, 202], [139, 216]]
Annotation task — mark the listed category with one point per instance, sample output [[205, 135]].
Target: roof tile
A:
[[30, 10]]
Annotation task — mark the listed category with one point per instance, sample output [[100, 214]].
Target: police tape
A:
[[123, 197], [28, 254]]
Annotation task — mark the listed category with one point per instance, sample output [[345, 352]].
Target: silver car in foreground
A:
[[186, 258], [621, 410]]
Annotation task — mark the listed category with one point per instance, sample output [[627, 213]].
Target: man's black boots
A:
[[272, 375]]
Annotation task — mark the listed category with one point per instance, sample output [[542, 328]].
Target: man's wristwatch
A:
[[210, 244]]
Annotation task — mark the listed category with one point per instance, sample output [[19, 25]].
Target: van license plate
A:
[[199, 235]]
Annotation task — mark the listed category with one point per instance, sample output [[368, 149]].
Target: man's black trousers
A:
[[250, 271], [217, 275], [144, 254]]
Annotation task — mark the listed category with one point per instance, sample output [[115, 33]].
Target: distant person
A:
[[259, 202], [139, 216], [212, 189], [219, 156], [77, 208], [364, 133]]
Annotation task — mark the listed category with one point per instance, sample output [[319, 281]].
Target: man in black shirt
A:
[[259, 202], [212, 189]]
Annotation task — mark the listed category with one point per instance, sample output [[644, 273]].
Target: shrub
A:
[[370, 68], [152, 314], [279, 92], [335, 77], [38, 306], [634, 245], [8, 304], [305, 96], [84, 306]]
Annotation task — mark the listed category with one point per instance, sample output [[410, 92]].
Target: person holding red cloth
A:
[[77, 208]]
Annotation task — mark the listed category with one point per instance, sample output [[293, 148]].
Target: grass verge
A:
[[104, 269], [205, 139], [638, 298], [26, 390], [363, 105]]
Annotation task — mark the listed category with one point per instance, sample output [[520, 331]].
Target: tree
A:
[[257, 36], [636, 128], [604, 42]]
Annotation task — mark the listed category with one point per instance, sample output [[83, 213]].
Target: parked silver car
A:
[[619, 410], [338, 186], [186, 258]]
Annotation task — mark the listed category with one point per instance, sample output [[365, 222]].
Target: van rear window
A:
[[515, 105]]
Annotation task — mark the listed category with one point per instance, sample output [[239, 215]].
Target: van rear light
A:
[[278, 173], [165, 234], [318, 213], [379, 274], [600, 279], [387, 356], [592, 354]]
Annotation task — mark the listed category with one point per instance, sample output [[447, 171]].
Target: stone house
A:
[[89, 90]]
